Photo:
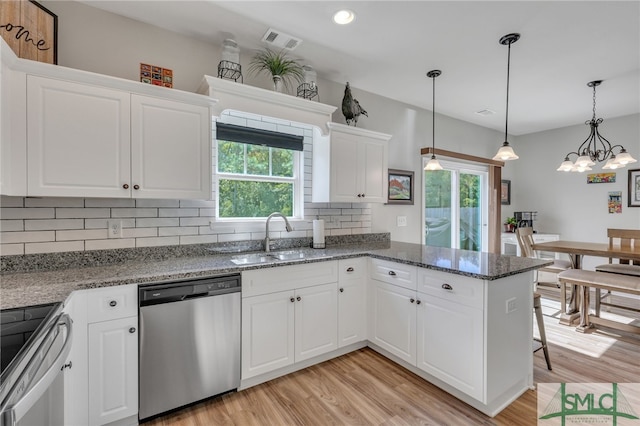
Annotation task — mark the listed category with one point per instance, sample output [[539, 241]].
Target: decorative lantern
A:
[[229, 67], [308, 89]]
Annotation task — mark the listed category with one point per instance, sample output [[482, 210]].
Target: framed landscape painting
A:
[[400, 187]]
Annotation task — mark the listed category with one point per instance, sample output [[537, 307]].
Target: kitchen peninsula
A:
[[460, 319]]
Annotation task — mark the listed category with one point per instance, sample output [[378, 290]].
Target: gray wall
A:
[[101, 42]]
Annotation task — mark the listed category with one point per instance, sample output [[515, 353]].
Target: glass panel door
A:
[[456, 206]]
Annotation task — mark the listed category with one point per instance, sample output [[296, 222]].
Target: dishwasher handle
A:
[[12, 414]]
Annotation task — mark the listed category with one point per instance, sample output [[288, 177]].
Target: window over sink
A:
[[258, 172]]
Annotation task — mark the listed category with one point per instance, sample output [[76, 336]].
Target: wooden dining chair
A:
[[626, 239]]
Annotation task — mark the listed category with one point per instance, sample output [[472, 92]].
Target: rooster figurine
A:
[[351, 108]]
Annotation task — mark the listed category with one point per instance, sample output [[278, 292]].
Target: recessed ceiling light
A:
[[344, 17]]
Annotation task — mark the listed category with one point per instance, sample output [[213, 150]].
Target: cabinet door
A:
[[267, 333], [345, 168], [78, 139], [374, 171], [316, 318], [392, 320], [450, 343], [170, 149], [352, 301], [113, 370]]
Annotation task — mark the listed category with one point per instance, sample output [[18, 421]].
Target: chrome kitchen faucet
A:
[[288, 227]]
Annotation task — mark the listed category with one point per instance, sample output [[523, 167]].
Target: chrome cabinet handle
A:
[[292, 300], [298, 298], [132, 330], [447, 286], [113, 303], [392, 273], [341, 290], [412, 300], [349, 269], [125, 186], [418, 302], [136, 187]]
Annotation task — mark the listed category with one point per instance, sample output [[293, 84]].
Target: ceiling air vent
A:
[[280, 40]]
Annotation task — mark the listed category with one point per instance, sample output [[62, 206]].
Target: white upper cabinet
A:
[[72, 133], [350, 166], [89, 141], [78, 139]]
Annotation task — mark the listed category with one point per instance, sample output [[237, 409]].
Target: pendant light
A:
[[505, 152], [596, 148], [433, 163]]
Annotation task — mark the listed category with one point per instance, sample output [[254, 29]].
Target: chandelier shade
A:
[[433, 163], [596, 148]]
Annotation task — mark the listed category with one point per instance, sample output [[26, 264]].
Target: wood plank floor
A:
[[364, 388]]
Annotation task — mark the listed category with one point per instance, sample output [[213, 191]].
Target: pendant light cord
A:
[[433, 118], [506, 120]]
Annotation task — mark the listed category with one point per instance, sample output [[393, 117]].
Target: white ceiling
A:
[[392, 44]]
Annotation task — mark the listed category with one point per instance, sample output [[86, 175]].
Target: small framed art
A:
[[401, 184], [634, 188], [505, 192]]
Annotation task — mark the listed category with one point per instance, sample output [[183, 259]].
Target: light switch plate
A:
[[114, 228], [401, 220]]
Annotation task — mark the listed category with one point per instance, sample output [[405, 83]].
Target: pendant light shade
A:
[[506, 153], [433, 163]]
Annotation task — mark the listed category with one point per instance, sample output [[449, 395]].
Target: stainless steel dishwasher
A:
[[189, 342]]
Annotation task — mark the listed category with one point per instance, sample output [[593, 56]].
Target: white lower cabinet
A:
[[102, 384], [285, 327], [450, 343], [392, 322], [113, 370], [352, 301]]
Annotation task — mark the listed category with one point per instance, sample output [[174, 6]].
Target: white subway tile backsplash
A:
[[102, 223], [223, 238], [208, 212], [64, 213], [27, 213], [52, 224], [54, 202], [6, 201], [184, 230], [32, 248], [140, 232], [27, 237], [205, 204], [178, 212], [194, 221], [109, 202], [199, 239], [84, 234], [157, 241], [157, 221], [157, 203], [11, 249], [11, 225], [135, 212], [114, 243]]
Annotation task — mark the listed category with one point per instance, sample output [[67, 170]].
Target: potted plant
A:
[[283, 70], [510, 224]]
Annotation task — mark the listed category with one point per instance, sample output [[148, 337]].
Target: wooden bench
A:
[[604, 281]]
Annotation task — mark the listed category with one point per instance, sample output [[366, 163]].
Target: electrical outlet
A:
[[401, 220], [511, 305], [115, 228]]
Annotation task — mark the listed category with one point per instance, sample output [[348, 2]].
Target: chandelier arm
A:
[[607, 147], [584, 146]]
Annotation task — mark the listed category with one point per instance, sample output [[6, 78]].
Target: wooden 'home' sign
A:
[[30, 30]]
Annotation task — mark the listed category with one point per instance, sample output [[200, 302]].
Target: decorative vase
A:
[[278, 84]]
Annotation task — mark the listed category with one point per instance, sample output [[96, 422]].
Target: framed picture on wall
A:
[[400, 187], [634, 188], [30, 30], [505, 192]]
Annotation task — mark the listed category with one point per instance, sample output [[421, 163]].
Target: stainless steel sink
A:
[[289, 255], [251, 259]]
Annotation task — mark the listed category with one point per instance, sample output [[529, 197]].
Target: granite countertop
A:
[[21, 289]]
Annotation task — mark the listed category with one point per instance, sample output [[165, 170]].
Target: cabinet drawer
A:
[[265, 281], [350, 269], [393, 273], [109, 303], [457, 288]]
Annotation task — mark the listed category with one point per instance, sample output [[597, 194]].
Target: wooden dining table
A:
[[576, 251]]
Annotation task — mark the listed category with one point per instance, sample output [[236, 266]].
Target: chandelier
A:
[[596, 148], [505, 153], [433, 163]]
